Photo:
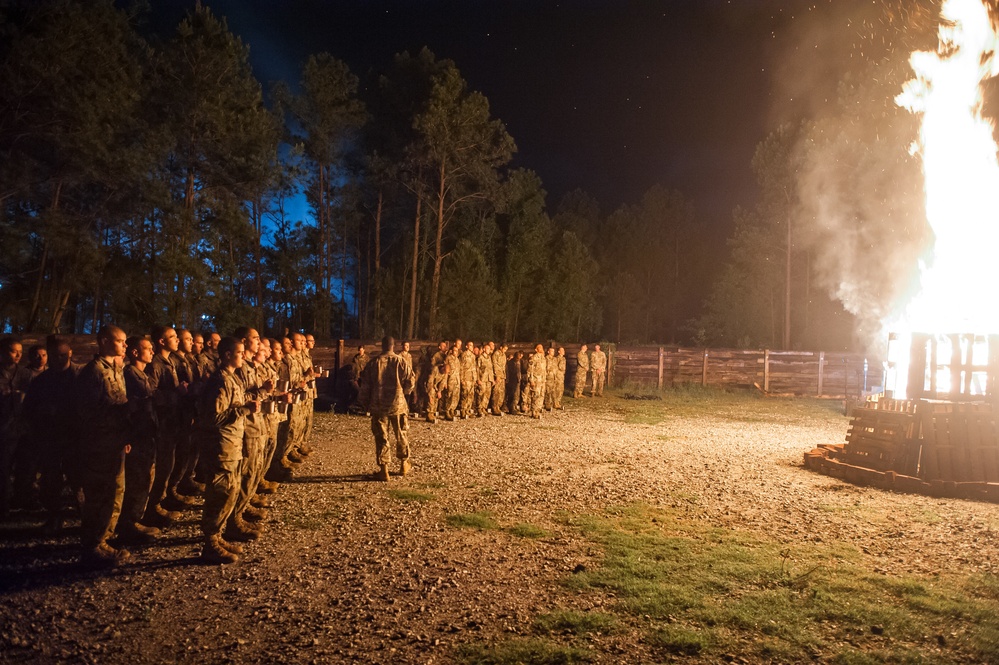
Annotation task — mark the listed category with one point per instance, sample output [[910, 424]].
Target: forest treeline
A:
[[152, 178]]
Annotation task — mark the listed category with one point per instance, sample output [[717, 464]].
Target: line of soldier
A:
[[138, 440], [462, 379]]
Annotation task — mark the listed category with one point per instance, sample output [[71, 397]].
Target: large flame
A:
[[957, 288]]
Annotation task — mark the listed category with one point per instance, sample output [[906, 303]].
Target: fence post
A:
[[704, 369], [822, 364], [662, 355], [766, 370], [610, 366]]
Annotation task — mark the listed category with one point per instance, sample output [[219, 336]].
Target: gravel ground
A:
[[355, 570]]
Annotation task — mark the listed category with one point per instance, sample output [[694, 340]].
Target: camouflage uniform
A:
[[484, 367], [435, 384], [469, 377], [453, 384], [166, 398], [559, 380], [514, 374], [499, 381], [221, 419], [387, 381], [582, 368], [45, 412], [551, 373], [14, 380], [140, 461], [103, 410], [185, 455], [525, 383], [536, 369], [598, 365], [255, 432]]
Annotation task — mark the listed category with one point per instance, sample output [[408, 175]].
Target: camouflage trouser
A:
[[485, 392], [251, 469], [525, 397], [432, 403], [310, 409], [467, 398], [166, 451], [139, 468], [221, 492], [559, 390], [513, 397], [497, 396], [598, 382], [298, 421], [380, 428], [185, 454], [550, 393], [102, 475], [580, 383], [281, 448], [453, 398], [537, 397]]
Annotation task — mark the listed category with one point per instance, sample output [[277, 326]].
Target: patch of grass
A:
[[679, 641], [310, 522], [527, 652], [482, 520], [696, 401], [432, 485], [702, 590], [524, 530], [410, 495], [487, 491], [577, 623]]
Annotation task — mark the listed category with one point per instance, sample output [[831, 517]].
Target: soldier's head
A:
[[231, 352], [140, 350], [197, 343], [10, 351], [250, 339], [298, 341], [212, 340], [186, 341], [388, 343], [310, 341], [165, 339], [457, 345], [519, 355], [111, 342], [60, 352], [287, 345], [442, 347], [596, 347], [583, 348], [405, 346], [561, 350], [38, 357], [470, 346], [539, 348], [277, 351], [360, 349], [551, 351]]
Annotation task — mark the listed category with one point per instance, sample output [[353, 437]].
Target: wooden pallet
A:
[[960, 443], [883, 440]]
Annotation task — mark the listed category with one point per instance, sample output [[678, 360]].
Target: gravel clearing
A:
[[354, 570]]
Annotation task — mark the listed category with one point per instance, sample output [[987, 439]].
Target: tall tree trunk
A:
[[42, 263], [411, 328], [378, 257], [438, 257], [259, 261]]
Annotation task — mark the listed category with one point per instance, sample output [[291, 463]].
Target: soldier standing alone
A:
[[598, 365], [387, 381]]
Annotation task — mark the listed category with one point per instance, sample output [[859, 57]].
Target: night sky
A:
[[608, 96]]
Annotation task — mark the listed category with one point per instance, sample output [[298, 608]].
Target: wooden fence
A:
[[822, 374]]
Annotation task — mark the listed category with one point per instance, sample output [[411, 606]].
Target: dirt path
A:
[[354, 570]]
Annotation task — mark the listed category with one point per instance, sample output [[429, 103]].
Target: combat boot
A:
[[214, 552], [235, 548], [295, 457], [137, 534], [105, 556], [160, 517], [267, 486], [382, 473], [241, 531], [404, 468], [260, 501], [252, 514]]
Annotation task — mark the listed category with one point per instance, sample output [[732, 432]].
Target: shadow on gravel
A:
[[61, 566], [353, 478]]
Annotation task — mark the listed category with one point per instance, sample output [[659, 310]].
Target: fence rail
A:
[[806, 373]]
